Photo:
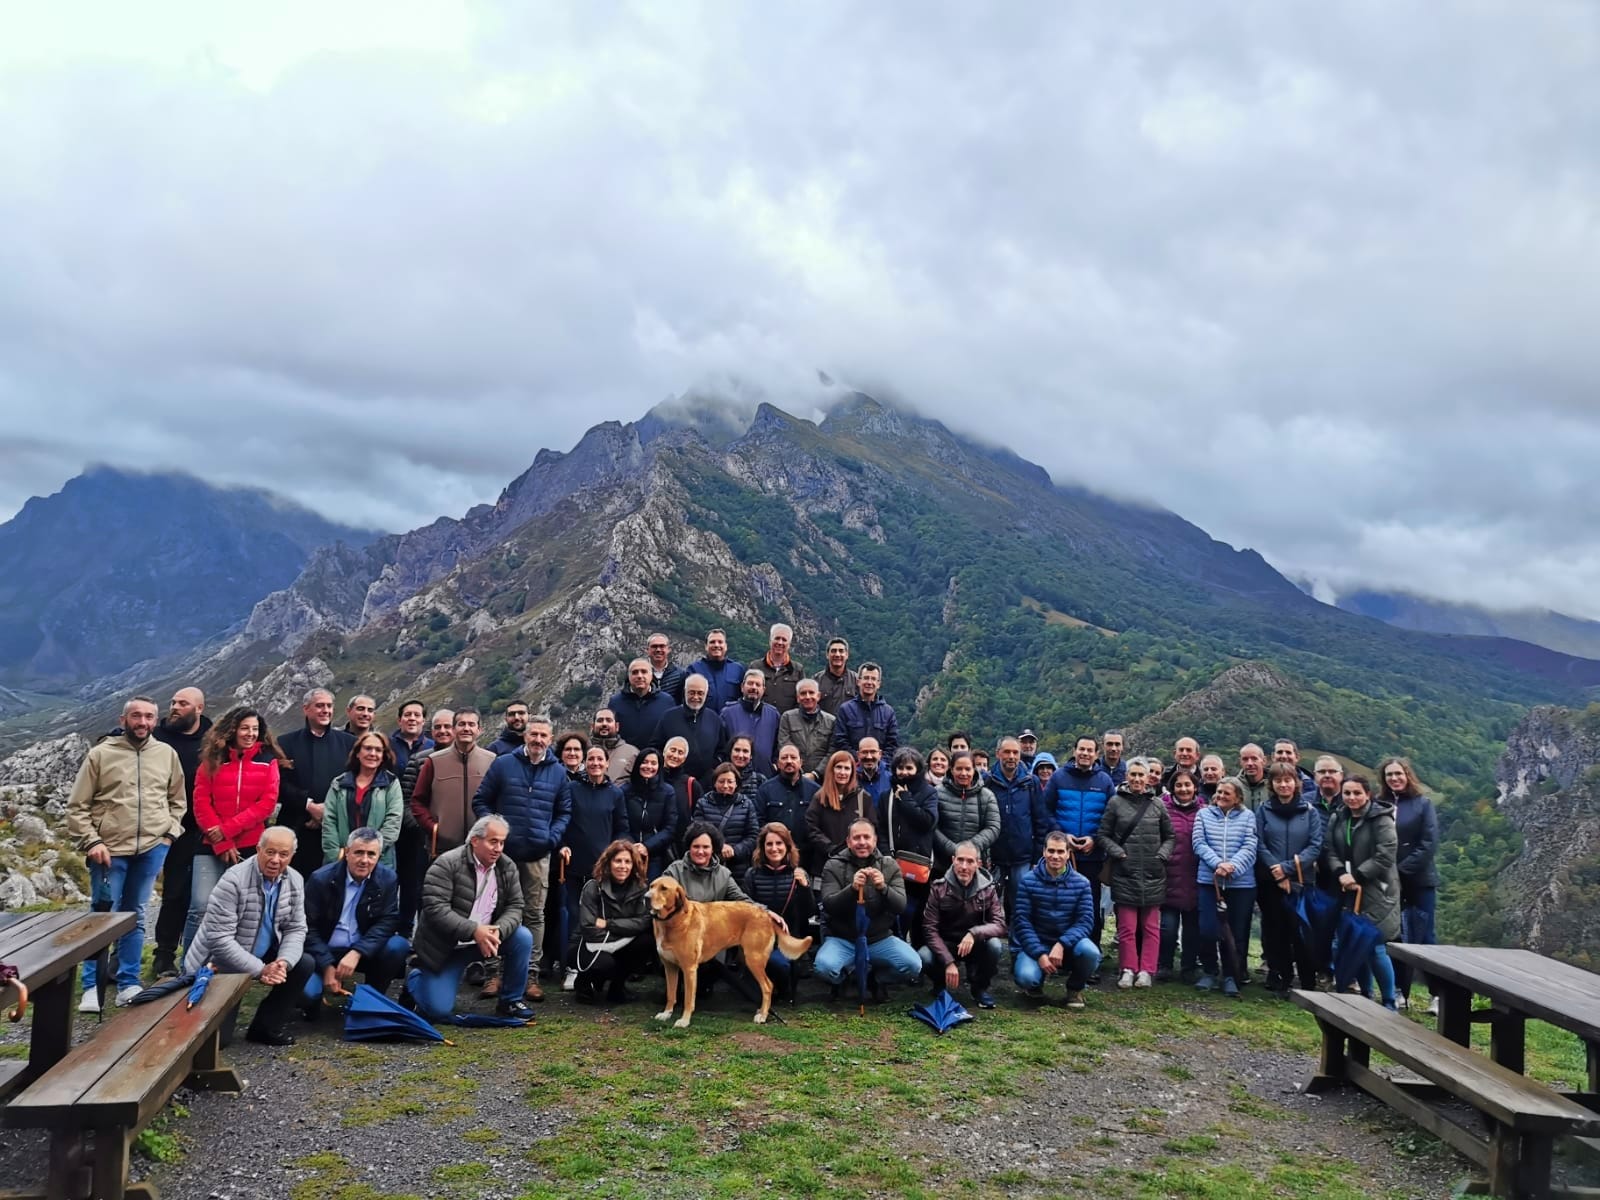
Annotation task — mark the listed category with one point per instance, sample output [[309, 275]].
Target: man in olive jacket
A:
[[883, 895], [471, 909]]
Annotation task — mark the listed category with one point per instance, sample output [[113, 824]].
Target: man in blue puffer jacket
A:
[[1054, 916], [1074, 801], [527, 789], [867, 715], [1017, 792]]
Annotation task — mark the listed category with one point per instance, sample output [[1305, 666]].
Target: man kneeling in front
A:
[[471, 910], [1054, 921], [352, 918], [255, 925]]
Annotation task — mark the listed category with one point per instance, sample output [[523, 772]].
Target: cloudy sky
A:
[[1324, 279]]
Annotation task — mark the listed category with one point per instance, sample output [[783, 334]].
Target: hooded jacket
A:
[[1367, 846], [883, 905], [533, 799], [954, 910], [240, 797], [127, 797], [1285, 832], [707, 884], [965, 814], [1137, 844], [1051, 909]]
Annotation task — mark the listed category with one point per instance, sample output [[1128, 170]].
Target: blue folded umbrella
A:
[[863, 951], [164, 987], [485, 1021], [202, 980], [943, 1012], [1316, 912], [371, 1016], [1354, 942]]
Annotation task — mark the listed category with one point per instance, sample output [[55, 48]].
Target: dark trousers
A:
[[1282, 948], [613, 969], [1417, 906], [273, 1013], [1184, 925], [981, 966], [177, 874], [1097, 892], [411, 864], [1006, 877], [1241, 904]]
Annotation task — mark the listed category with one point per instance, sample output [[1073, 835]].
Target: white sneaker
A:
[[1125, 980], [125, 995], [90, 1003], [1433, 1007], [570, 983], [1401, 1003], [1142, 979]]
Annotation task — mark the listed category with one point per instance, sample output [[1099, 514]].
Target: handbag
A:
[[916, 868]]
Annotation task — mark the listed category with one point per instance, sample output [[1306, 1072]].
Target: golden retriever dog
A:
[[688, 933]]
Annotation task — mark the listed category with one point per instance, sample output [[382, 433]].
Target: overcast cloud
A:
[[1324, 279]]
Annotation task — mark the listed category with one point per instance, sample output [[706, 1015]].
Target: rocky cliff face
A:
[[1549, 780], [36, 862]]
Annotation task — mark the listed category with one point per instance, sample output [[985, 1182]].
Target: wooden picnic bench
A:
[[95, 1101], [1524, 1118], [47, 948]]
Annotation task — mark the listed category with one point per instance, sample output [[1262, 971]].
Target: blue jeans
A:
[[982, 965], [208, 869], [1381, 966], [435, 991], [1029, 975], [837, 958], [1417, 906], [130, 879], [380, 970]]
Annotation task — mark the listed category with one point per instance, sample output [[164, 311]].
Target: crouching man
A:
[[1053, 926], [963, 923], [352, 919], [471, 910], [859, 875], [255, 925]]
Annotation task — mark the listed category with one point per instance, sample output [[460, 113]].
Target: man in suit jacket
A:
[[352, 921]]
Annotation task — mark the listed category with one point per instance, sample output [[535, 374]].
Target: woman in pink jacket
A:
[[235, 797]]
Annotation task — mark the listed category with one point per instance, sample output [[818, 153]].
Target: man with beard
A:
[[869, 770], [781, 673], [184, 729], [752, 717], [126, 808], [785, 797], [620, 753], [319, 753], [807, 727], [724, 676], [836, 682], [696, 724], [511, 734]]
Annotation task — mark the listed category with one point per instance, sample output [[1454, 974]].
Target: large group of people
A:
[[428, 856]]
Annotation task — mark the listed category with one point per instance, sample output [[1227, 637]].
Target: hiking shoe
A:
[[1125, 980], [1075, 999], [125, 995], [513, 1008], [533, 991], [491, 988], [90, 1001], [1142, 979], [1206, 983], [1230, 988], [571, 981], [164, 965]]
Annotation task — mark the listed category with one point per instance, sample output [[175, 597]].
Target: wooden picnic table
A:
[[1519, 985], [46, 948]]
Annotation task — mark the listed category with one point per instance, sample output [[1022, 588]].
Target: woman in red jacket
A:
[[235, 796]]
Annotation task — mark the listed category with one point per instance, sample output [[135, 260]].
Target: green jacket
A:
[[385, 807], [1367, 846]]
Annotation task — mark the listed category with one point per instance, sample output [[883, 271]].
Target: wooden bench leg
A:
[[210, 1073], [51, 1037], [1533, 1167], [1360, 1052], [111, 1164], [1455, 1013], [1505, 1157], [1594, 1065], [1330, 1071], [1508, 1041]]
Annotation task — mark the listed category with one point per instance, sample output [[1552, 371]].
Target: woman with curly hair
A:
[[613, 925], [235, 795], [1416, 826], [776, 879]]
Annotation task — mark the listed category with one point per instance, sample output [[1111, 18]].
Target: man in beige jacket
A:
[[126, 808]]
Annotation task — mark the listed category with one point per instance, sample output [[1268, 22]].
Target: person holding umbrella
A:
[[1225, 843], [1288, 845], [1362, 849], [859, 877]]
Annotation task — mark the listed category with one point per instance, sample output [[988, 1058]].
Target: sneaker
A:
[[1094, 979], [1206, 983], [984, 999], [125, 995], [1230, 988], [513, 1008], [1391, 1005], [164, 966], [1433, 1007], [1142, 979], [90, 1001], [1075, 999], [1401, 1004], [571, 981], [1125, 980]]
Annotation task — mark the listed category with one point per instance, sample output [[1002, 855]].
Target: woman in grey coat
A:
[[1136, 838], [968, 812], [1360, 850]]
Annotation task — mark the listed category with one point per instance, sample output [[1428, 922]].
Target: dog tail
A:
[[792, 946]]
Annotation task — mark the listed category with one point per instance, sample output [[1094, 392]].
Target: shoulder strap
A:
[[1138, 814]]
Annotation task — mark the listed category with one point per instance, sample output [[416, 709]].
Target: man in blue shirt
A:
[[352, 922]]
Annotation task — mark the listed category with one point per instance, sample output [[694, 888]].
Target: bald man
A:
[[184, 729]]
